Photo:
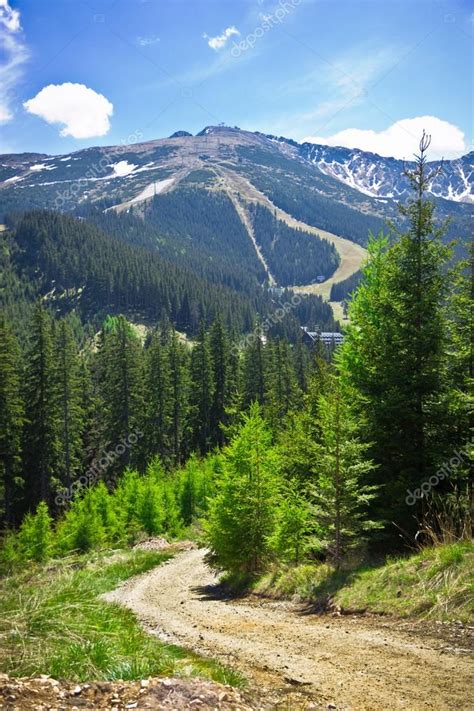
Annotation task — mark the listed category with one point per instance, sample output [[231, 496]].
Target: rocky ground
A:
[[46, 694]]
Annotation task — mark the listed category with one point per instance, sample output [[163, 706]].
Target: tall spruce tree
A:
[[178, 360], [11, 423], [242, 514], [393, 360], [159, 400], [201, 393], [122, 389], [70, 387], [461, 391], [253, 370], [282, 392], [341, 497], [42, 432], [222, 380]]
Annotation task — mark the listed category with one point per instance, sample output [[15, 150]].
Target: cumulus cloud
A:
[[401, 139], [83, 111], [220, 41], [14, 55]]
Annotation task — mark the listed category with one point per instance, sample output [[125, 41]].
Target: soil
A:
[[47, 694], [300, 659]]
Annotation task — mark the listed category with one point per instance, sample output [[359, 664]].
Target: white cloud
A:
[[220, 41], [14, 53], [9, 18], [401, 139], [83, 111]]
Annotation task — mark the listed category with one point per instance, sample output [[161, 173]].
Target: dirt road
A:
[[351, 662]]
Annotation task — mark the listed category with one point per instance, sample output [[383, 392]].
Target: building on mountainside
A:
[[328, 338]]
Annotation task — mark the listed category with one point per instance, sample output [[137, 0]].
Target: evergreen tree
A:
[[222, 380], [241, 515], [300, 433], [159, 400], [122, 388], [201, 394], [282, 394], [70, 386], [11, 422], [393, 360], [461, 389], [179, 378], [340, 495], [253, 370], [42, 433], [293, 525]]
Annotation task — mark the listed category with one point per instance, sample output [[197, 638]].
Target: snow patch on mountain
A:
[[153, 189], [122, 168], [380, 177], [42, 166]]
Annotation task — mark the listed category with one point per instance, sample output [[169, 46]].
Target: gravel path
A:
[[351, 662]]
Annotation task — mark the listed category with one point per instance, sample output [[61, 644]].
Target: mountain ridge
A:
[[366, 172]]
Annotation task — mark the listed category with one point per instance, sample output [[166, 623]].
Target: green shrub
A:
[[36, 535]]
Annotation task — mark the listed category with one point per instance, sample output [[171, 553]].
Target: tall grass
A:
[[52, 621], [436, 583]]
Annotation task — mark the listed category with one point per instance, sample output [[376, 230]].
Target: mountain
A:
[[376, 176], [338, 184], [232, 214]]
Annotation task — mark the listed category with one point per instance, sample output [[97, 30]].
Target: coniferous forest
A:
[[279, 450]]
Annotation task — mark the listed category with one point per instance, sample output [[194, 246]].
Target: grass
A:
[[436, 583], [53, 622]]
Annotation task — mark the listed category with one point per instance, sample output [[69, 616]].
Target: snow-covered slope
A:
[[381, 177]]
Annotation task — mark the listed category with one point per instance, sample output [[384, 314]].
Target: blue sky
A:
[[76, 73]]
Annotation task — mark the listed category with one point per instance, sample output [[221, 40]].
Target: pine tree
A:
[[393, 360], [179, 377], [340, 495], [282, 393], [201, 394], [461, 389], [11, 422], [222, 380], [253, 370], [300, 434], [242, 513], [159, 402], [122, 389], [70, 394], [293, 525], [42, 433]]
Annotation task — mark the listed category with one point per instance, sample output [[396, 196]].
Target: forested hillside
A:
[[294, 257], [76, 266]]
